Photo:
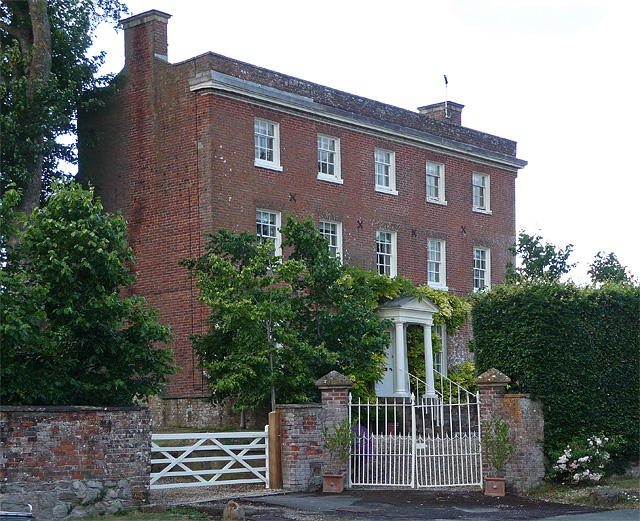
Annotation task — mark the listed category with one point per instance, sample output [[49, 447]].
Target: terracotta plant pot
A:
[[494, 486], [333, 483]]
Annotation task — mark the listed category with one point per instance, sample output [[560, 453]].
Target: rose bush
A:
[[583, 460]]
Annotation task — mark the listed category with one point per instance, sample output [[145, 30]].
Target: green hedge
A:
[[576, 348]]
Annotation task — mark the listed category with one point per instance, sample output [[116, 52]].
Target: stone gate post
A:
[[526, 429], [303, 454], [334, 389]]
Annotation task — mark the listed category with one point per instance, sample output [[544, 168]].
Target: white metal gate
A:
[[432, 441], [204, 459]]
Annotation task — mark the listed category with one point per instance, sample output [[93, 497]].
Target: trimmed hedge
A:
[[576, 348]]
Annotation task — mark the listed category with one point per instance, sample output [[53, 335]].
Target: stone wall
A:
[[70, 462], [198, 413], [524, 416]]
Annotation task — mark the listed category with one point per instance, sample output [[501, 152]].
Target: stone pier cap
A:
[[333, 380]]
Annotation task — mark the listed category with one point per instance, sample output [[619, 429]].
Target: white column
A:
[[428, 362], [400, 369]]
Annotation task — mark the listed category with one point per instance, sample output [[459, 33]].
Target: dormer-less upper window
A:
[[267, 144]]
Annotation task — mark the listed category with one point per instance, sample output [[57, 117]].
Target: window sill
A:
[[330, 179], [438, 286], [437, 201], [383, 190], [482, 210], [261, 163]]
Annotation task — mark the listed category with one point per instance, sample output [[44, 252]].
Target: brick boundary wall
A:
[[524, 415], [302, 446], [71, 462], [303, 456]]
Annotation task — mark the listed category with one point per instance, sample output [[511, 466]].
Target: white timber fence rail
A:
[[206, 459]]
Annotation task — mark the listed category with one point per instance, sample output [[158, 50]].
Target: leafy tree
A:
[[250, 348], [69, 336], [46, 76], [608, 269], [310, 314], [335, 306], [538, 261]]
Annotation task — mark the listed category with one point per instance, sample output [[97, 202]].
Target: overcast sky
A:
[[560, 77]]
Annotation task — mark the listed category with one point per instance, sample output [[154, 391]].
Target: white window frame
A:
[[481, 189], [440, 359], [336, 177], [440, 198], [381, 164], [479, 269], [335, 239], [390, 244], [437, 258], [274, 163], [276, 223]]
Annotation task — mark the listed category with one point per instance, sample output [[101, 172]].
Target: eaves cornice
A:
[[223, 82]]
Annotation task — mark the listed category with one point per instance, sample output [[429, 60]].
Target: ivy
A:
[[576, 348]]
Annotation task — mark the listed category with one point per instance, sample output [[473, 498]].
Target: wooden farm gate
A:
[[206, 459]]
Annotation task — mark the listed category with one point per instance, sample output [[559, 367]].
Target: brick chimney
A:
[[446, 111], [145, 37]]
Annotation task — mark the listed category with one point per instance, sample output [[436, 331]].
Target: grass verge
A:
[[611, 493]]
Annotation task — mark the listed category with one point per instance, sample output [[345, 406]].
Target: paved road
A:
[[403, 505]]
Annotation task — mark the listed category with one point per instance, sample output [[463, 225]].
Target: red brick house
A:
[[184, 149]]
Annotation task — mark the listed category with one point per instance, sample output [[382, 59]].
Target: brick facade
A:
[[174, 150], [70, 462]]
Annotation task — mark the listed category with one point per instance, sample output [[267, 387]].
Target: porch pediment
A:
[[409, 310], [403, 312]]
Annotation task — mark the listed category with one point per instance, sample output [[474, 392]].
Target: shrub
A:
[[498, 447], [583, 460]]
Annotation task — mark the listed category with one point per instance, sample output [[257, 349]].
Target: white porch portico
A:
[[404, 312]]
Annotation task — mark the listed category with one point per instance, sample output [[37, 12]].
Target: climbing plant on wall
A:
[[576, 348]]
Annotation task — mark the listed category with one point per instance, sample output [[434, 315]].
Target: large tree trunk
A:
[[38, 70]]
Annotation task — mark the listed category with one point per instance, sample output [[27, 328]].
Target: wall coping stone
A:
[[67, 408], [308, 405]]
